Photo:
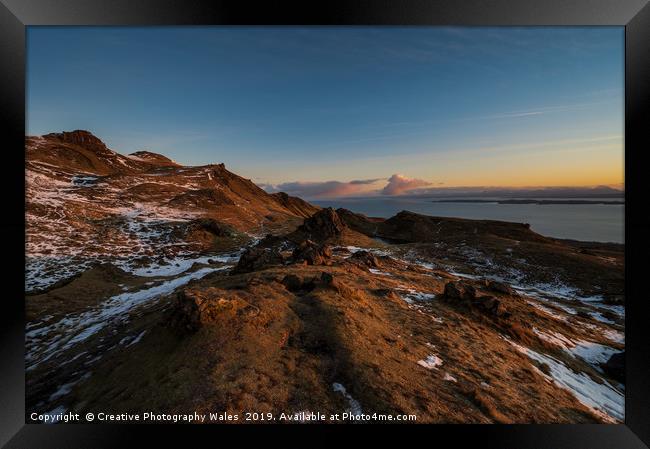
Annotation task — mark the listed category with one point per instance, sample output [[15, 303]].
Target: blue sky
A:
[[435, 106]]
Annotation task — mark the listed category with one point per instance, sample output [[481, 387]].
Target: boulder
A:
[[615, 367], [193, 308], [326, 278], [256, 258], [453, 290], [617, 300], [492, 306], [323, 225], [543, 367], [311, 253], [365, 258], [459, 290], [488, 305], [299, 285], [329, 281], [292, 282], [186, 311], [500, 287]]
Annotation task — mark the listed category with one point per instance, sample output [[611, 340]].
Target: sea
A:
[[585, 222]]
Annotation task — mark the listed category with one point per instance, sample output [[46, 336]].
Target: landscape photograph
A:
[[284, 225]]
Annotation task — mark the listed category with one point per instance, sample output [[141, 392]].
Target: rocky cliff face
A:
[[81, 138]]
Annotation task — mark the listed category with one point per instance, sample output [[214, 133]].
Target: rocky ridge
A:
[[133, 210]]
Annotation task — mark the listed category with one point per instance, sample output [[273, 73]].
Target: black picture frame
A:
[[634, 15]]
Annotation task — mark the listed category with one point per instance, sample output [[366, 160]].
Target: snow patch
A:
[[448, 377], [603, 399], [54, 339], [67, 388], [431, 362], [590, 352], [593, 353], [599, 317], [410, 295], [355, 407]]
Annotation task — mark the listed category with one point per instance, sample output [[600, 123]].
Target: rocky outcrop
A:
[[499, 287], [468, 295], [411, 227], [78, 151], [81, 138], [364, 258], [311, 253], [323, 225], [257, 258], [193, 309], [302, 285], [299, 285], [186, 311], [298, 206], [491, 306], [460, 290], [359, 222]]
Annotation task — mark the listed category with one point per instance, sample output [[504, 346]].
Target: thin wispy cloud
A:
[[412, 129], [497, 115], [543, 110]]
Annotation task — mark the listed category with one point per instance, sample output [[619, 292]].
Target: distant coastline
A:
[[529, 201]]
